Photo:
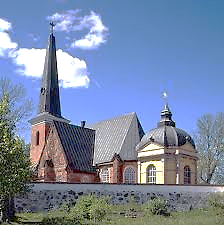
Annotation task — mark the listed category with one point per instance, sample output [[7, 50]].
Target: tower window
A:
[[37, 138], [129, 175], [42, 90], [187, 175], [151, 174]]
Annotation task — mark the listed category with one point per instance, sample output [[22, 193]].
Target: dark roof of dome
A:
[[167, 136], [166, 133]]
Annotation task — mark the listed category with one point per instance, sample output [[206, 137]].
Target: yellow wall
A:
[[165, 161], [142, 178], [151, 149], [170, 170], [186, 161]]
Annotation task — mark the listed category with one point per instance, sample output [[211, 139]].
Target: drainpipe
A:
[[177, 167]]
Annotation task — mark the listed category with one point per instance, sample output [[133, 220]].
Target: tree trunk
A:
[[7, 209]]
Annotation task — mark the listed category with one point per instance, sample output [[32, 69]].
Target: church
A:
[[115, 150]]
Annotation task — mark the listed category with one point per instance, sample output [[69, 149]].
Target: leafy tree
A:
[[14, 163], [209, 139]]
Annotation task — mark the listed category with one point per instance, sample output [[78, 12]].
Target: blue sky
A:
[[120, 56]]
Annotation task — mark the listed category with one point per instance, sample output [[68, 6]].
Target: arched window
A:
[[151, 174], [37, 138], [105, 175], [129, 175], [187, 175]]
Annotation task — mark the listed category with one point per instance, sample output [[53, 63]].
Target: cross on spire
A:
[[52, 26]]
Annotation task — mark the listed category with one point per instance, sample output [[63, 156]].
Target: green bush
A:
[[56, 221], [156, 206], [216, 200], [90, 207], [65, 206]]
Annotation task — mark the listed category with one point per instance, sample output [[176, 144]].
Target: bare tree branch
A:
[[209, 139], [21, 107]]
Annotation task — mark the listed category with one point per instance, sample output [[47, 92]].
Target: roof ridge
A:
[[113, 118], [73, 125], [127, 131]]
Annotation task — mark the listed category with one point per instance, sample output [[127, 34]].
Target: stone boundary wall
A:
[[48, 196]]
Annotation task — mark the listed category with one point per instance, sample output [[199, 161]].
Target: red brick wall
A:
[[111, 171], [53, 151], [35, 150], [81, 177], [133, 165], [117, 168], [49, 173], [117, 171], [59, 172]]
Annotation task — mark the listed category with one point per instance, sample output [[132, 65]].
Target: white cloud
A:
[[72, 72], [7, 47], [30, 61], [69, 22], [97, 34], [5, 25], [65, 21]]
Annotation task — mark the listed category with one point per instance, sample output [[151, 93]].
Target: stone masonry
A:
[[45, 197]]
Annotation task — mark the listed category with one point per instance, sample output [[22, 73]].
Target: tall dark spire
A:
[[166, 117], [49, 100]]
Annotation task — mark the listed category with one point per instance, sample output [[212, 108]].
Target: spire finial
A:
[[165, 97], [52, 27], [166, 115]]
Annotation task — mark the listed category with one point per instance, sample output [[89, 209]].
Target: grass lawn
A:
[[133, 215]]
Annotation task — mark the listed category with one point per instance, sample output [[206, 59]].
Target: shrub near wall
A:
[[90, 207], [35, 201]]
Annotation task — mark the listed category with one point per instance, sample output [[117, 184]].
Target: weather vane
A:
[[52, 26], [165, 96]]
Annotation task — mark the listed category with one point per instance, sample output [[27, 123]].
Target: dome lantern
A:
[[166, 117]]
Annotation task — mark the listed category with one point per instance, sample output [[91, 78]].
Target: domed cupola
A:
[[166, 133], [166, 154]]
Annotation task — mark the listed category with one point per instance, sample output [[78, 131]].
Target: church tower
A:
[[49, 108]]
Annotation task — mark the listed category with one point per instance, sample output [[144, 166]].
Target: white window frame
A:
[[151, 174], [105, 175], [129, 175], [187, 175]]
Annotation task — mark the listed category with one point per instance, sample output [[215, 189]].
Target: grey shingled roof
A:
[[118, 135], [166, 136], [78, 144]]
